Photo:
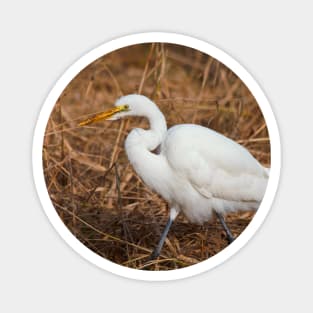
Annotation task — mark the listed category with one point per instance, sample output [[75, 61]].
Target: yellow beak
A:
[[104, 115]]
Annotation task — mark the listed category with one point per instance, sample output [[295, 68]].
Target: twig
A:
[[103, 233]]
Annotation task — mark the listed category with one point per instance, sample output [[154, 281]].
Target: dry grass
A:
[[91, 184]]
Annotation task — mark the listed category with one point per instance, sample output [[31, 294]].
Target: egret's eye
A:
[[122, 107]]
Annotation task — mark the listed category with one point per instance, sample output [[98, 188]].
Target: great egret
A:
[[197, 171]]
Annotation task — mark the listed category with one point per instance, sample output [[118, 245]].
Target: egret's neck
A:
[[139, 144], [151, 138], [148, 165], [158, 127]]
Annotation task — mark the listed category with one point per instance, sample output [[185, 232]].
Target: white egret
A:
[[198, 171]]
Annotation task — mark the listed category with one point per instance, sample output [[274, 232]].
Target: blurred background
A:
[[89, 179]]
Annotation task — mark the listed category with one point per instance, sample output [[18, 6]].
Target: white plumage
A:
[[197, 171]]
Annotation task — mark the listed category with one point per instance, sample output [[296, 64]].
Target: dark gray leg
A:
[[157, 250], [229, 234]]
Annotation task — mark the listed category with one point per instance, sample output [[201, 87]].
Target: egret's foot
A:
[[154, 255], [229, 235]]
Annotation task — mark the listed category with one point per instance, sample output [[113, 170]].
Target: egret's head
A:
[[125, 106]]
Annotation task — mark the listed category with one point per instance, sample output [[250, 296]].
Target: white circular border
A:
[[38, 172]]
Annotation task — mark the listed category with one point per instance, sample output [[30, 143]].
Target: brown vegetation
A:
[[90, 181]]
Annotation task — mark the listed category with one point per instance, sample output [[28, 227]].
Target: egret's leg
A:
[[157, 250], [229, 234]]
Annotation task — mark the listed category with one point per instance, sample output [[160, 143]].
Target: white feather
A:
[[198, 170]]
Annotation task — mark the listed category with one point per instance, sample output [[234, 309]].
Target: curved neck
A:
[[140, 142], [158, 127], [148, 139]]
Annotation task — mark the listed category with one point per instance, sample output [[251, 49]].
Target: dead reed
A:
[[90, 182]]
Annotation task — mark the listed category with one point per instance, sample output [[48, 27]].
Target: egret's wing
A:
[[214, 165]]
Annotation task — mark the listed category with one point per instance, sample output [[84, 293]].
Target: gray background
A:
[[39, 272]]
